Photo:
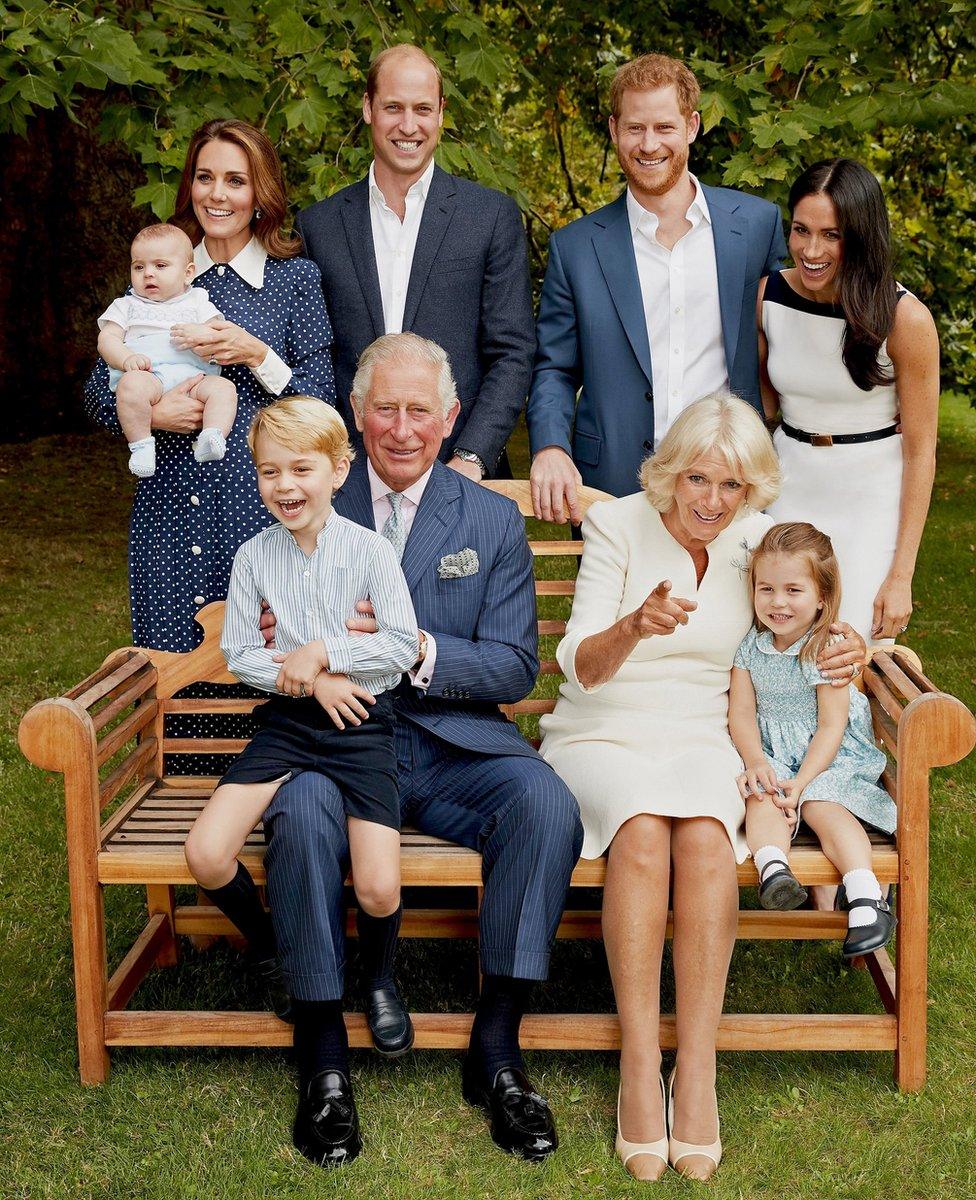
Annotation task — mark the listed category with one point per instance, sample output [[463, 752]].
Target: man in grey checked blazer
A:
[[465, 772], [412, 248]]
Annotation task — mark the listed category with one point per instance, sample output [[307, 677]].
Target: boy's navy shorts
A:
[[296, 734]]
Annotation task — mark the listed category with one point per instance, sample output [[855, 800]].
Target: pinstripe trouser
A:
[[513, 808]]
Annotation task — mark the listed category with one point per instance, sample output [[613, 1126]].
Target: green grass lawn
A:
[[215, 1124]]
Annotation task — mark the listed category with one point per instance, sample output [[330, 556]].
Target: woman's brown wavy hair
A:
[[266, 177]]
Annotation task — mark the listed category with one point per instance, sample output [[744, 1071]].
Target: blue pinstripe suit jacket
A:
[[484, 624]]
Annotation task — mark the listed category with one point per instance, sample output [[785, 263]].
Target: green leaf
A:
[[485, 64], [716, 108], [159, 196], [292, 34]]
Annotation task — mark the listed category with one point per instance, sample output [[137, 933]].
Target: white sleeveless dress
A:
[[852, 493]]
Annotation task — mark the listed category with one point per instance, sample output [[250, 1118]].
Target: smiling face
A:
[[222, 195], [296, 487], [403, 422], [817, 246], [405, 116], [652, 137], [785, 596], [160, 269], [707, 495]]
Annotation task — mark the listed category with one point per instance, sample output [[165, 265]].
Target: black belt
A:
[[837, 439]]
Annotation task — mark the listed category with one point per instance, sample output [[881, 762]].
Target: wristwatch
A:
[[470, 456]]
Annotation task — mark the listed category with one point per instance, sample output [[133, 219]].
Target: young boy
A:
[[135, 343], [331, 710]]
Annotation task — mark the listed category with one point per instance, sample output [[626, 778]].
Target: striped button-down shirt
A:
[[312, 596]]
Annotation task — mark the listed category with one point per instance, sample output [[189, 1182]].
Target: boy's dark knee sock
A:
[[495, 1032], [321, 1042], [378, 938], [240, 901]]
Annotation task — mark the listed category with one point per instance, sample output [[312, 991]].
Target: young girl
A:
[[331, 709], [135, 342], [807, 748]]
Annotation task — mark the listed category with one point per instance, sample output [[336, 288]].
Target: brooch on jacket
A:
[[457, 566]]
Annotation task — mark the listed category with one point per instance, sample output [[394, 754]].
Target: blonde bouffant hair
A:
[[717, 424], [303, 424], [801, 540]]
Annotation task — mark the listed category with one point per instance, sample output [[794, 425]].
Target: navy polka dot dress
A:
[[189, 518]]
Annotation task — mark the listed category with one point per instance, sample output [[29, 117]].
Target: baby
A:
[[135, 343]]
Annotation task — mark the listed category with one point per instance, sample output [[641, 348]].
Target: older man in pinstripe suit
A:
[[466, 774]]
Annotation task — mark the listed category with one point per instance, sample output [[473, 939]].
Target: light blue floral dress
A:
[[786, 707]]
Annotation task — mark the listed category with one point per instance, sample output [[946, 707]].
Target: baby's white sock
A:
[[210, 446], [861, 884], [142, 460], [765, 856]]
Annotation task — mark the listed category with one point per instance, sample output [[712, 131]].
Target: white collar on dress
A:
[[764, 642], [248, 263]]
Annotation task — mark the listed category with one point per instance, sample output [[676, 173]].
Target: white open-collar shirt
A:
[[273, 373], [394, 243], [679, 289]]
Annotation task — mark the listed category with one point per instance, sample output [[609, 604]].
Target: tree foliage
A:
[[888, 81]]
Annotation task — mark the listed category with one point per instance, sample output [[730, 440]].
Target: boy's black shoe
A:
[[388, 1021]]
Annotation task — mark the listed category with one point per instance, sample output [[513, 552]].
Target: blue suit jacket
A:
[[592, 334], [484, 624], [468, 291]]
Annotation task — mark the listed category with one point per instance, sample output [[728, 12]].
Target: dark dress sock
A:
[[240, 901], [378, 938], [321, 1042], [495, 1032]]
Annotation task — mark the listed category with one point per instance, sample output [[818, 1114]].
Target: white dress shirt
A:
[[394, 242], [421, 675], [273, 373], [679, 288]]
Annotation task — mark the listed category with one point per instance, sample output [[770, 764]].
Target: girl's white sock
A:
[[765, 856], [142, 460], [861, 884]]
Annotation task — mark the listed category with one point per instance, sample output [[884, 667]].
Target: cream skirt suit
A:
[[654, 738]]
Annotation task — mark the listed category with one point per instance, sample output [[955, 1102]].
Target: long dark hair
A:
[[867, 292], [266, 176]]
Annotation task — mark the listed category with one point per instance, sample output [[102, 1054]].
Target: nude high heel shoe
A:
[[679, 1150], [627, 1150]]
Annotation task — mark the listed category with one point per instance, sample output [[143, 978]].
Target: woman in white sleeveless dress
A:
[[851, 363]]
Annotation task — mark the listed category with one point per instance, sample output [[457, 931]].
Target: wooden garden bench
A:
[[127, 819]]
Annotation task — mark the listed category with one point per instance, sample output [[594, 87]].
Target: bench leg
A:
[[911, 998], [88, 942], [161, 898]]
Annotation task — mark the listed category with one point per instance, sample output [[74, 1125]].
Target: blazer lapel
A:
[[353, 500], [438, 514], [359, 235], [614, 246], [438, 212], [729, 235]]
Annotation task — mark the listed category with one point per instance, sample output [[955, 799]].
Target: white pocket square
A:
[[457, 566]]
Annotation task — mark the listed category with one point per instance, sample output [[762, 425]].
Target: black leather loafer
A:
[[781, 891], [388, 1021], [865, 939], [521, 1122], [326, 1126], [269, 972]]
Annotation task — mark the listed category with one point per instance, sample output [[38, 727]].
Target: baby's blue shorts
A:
[[169, 364]]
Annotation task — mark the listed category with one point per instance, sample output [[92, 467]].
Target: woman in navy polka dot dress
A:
[[189, 518]]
